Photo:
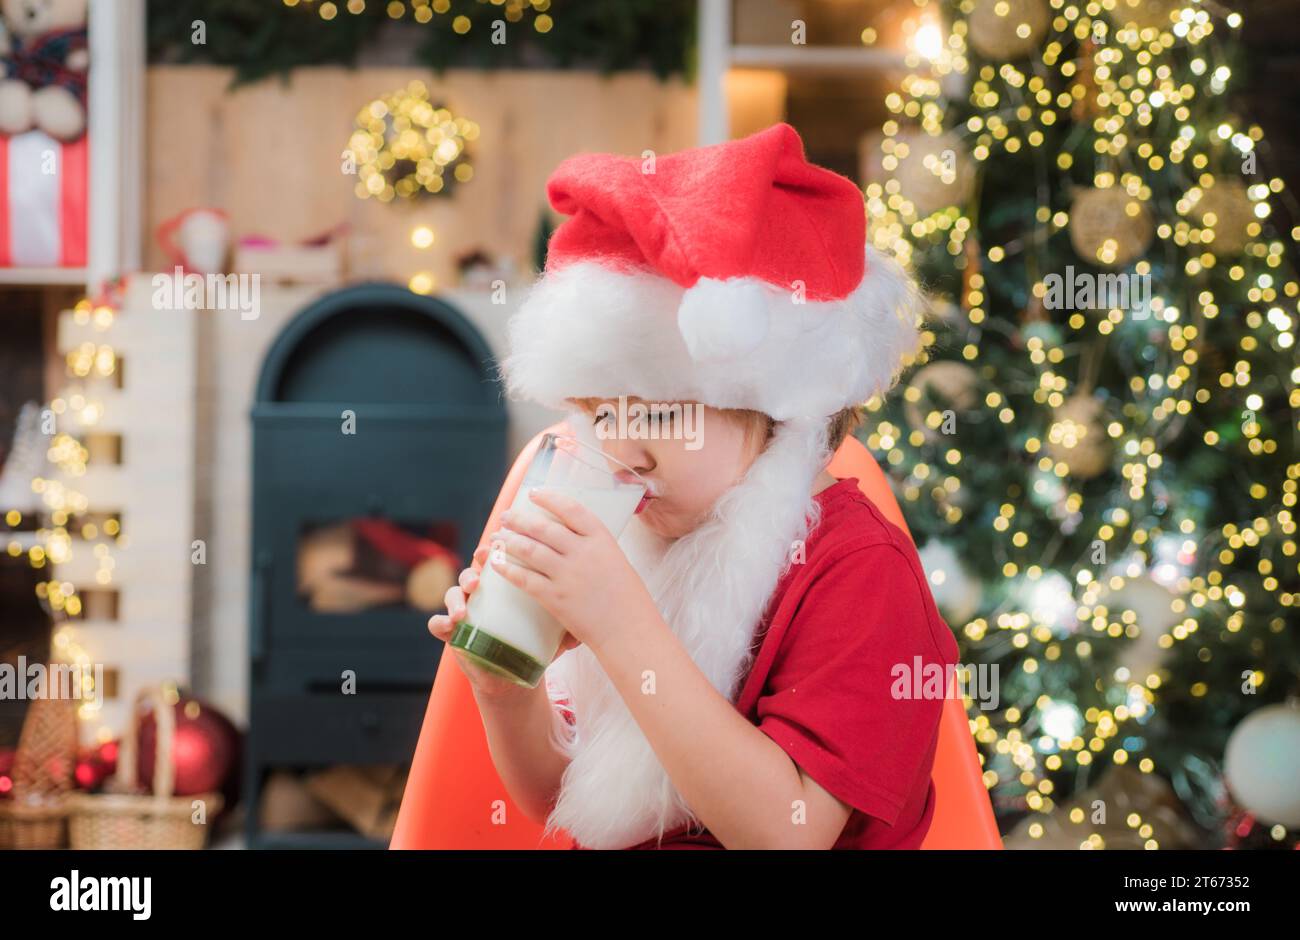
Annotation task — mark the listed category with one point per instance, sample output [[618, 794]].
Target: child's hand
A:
[[485, 683], [578, 572]]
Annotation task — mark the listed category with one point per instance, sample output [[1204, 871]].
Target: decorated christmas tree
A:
[[1097, 446]]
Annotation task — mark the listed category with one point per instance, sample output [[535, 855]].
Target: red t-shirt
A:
[[837, 625]]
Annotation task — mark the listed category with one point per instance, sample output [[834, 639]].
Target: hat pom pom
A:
[[723, 319]]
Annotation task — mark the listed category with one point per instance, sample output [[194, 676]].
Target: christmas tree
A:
[[1097, 445]]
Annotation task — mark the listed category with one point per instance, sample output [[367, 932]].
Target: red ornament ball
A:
[[205, 748], [6, 772], [95, 764]]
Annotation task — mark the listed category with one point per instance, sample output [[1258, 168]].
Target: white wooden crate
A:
[[152, 490]]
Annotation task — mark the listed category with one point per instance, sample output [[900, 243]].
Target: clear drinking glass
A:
[[505, 630]]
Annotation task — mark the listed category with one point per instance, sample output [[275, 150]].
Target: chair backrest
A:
[[454, 799], [963, 813]]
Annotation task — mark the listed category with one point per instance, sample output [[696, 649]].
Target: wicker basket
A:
[[36, 816], [126, 819], [37, 825]]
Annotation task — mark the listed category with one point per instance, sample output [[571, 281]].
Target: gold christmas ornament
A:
[[932, 172], [1127, 809], [953, 382], [1152, 606], [1147, 14], [1226, 208], [1007, 29], [1109, 227], [1077, 437]]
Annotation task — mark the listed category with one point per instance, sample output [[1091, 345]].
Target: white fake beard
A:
[[711, 586]]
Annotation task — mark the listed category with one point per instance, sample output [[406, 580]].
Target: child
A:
[[727, 677]]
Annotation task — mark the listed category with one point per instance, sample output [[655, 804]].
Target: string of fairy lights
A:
[[1106, 69], [406, 146], [67, 521], [424, 11]]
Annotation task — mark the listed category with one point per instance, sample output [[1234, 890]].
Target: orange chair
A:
[[454, 799]]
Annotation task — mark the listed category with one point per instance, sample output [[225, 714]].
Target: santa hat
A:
[[736, 275]]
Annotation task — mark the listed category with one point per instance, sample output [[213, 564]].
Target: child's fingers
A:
[[440, 626], [454, 599], [480, 557], [469, 580]]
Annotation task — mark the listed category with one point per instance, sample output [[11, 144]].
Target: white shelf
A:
[[823, 58], [40, 277]]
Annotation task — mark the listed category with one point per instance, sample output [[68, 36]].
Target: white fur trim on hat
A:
[[723, 319], [588, 330]]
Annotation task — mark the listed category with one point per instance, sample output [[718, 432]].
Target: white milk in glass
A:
[[506, 613]]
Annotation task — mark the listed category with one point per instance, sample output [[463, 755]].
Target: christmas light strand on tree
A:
[[1118, 475], [65, 527]]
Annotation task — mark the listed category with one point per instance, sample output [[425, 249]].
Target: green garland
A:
[[261, 38]]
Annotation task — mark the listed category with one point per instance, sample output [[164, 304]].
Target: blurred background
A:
[[233, 503]]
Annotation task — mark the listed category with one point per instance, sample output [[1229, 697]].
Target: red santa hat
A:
[[736, 275]]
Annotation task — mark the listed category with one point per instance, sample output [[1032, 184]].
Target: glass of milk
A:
[[507, 632]]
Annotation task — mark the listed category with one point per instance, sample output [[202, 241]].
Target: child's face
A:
[[688, 466]]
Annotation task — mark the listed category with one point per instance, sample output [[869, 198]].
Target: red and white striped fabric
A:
[[44, 195]]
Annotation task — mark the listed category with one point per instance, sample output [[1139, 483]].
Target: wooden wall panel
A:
[[270, 154]]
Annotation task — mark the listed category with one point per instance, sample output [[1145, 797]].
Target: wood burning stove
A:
[[379, 444]]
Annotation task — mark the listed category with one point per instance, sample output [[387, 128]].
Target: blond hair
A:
[[759, 425], [838, 427]]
